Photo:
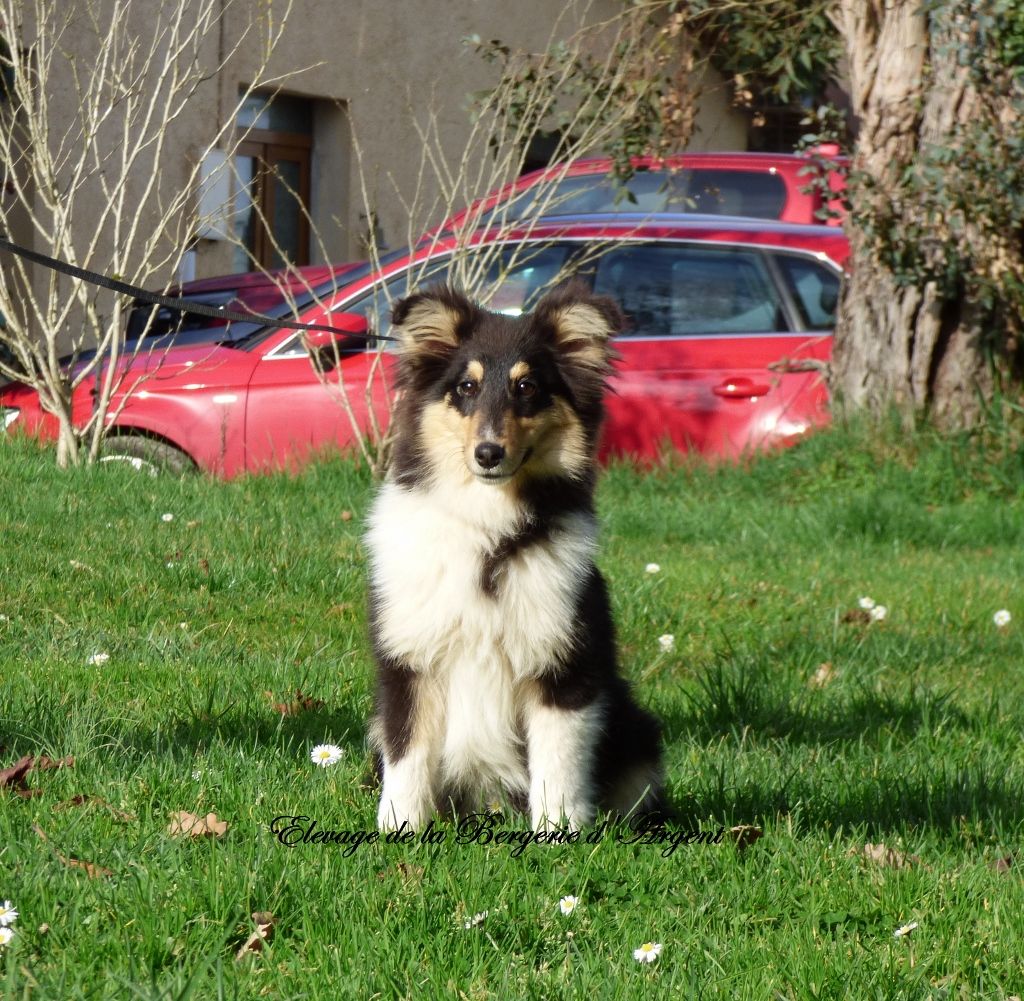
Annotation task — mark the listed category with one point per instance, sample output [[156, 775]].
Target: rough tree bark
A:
[[909, 334]]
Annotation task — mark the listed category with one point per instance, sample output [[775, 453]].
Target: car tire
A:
[[146, 455]]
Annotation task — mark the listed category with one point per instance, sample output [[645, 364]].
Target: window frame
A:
[[268, 148]]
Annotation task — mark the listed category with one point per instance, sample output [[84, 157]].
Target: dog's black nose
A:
[[488, 454]]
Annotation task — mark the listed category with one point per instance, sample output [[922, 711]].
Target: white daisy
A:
[[1002, 618], [167, 517], [904, 930], [476, 919], [6, 934], [98, 659], [652, 568], [866, 603], [648, 952], [568, 904], [667, 642], [8, 915], [878, 613], [326, 754]]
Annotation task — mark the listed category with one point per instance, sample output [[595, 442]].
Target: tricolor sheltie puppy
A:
[[490, 621]]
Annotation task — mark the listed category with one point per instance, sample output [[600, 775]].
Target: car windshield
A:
[[252, 338]]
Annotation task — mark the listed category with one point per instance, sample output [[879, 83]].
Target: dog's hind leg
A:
[[629, 760]]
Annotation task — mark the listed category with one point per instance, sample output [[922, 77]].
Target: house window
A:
[[273, 176]]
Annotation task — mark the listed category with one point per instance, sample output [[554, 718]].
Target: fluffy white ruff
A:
[[477, 656]]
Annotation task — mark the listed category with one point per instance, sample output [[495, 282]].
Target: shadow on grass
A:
[[944, 800], [186, 730], [254, 727], [744, 697], [891, 759]]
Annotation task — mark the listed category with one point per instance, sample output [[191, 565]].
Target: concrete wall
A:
[[372, 68]]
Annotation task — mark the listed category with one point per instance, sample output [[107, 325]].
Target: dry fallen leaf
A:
[[184, 823], [300, 704], [745, 835], [14, 777], [409, 873], [91, 869], [44, 763], [858, 615], [81, 800], [1003, 865], [826, 673], [264, 932], [346, 515], [886, 856]]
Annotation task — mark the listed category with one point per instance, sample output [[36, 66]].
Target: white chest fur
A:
[[427, 555], [476, 650]]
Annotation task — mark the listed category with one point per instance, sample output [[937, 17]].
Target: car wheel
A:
[[146, 455]]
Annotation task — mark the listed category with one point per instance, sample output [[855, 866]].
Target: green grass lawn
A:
[[215, 601]]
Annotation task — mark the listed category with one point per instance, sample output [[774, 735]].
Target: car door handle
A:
[[740, 388]]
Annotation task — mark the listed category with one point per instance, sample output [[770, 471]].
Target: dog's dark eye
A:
[[525, 388], [468, 388]]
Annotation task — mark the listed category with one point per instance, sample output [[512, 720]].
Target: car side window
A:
[[684, 290], [513, 280], [505, 279], [815, 288]]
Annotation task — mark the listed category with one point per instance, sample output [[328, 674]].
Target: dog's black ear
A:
[[431, 323], [581, 325]]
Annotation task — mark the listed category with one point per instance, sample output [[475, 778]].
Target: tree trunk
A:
[[910, 333], [67, 443]]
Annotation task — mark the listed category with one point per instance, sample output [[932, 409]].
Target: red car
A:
[[730, 322], [790, 187]]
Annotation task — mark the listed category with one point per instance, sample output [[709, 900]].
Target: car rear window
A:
[[757, 194], [686, 290]]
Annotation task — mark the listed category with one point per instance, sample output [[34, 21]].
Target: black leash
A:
[[181, 305]]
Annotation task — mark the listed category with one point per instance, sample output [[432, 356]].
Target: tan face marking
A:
[[475, 371], [443, 437], [518, 371], [559, 443]]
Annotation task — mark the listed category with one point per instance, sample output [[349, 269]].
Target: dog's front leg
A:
[[407, 734], [561, 743]]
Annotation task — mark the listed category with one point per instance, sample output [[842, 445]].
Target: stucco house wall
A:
[[368, 68]]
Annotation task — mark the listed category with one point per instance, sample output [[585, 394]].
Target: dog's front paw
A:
[[566, 818], [393, 815]]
